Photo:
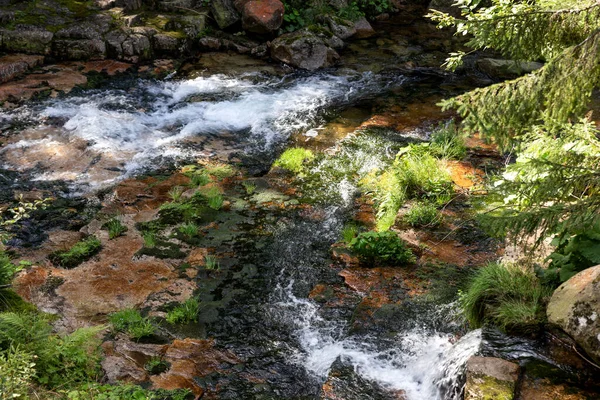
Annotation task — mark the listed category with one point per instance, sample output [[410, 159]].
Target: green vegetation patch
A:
[[115, 228], [185, 312], [294, 159], [382, 246], [505, 296], [423, 214], [131, 322], [80, 252]]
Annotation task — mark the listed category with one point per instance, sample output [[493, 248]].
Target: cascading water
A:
[[97, 138]]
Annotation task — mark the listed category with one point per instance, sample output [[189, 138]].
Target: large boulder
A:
[[26, 39], [303, 49], [262, 16], [506, 69], [363, 29], [224, 13], [490, 378], [13, 65], [575, 307], [341, 28]]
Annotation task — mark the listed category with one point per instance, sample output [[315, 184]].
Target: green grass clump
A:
[[7, 269], [211, 196], [185, 312], [77, 254], [447, 142], [189, 229], [211, 263], [115, 228], [156, 365], [293, 159], [349, 232], [96, 391], [199, 178], [220, 171], [131, 322], [175, 193], [505, 296], [382, 246], [149, 240], [423, 214]]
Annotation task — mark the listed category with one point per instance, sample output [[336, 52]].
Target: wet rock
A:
[[506, 69], [543, 389], [262, 16], [341, 28], [303, 49], [490, 378], [79, 49], [363, 29], [176, 5], [575, 307], [124, 360], [26, 39], [191, 25], [128, 46], [130, 5], [14, 65], [166, 45], [344, 383], [224, 13]]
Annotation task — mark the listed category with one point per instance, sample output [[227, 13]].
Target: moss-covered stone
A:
[[490, 378]]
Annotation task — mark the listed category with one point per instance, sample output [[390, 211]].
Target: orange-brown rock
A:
[[262, 16]]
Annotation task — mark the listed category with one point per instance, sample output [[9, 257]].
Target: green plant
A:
[[351, 12], [212, 196], [7, 269], [250, 187], [131, 322], [17, 370], [95, 391], [384, 246], [115, 228], [185, 312], [423, 214], [505, 296], [220, 171], [189, 229], [573, 253], [349, 232], [60, 360], [294, 159], [211, 263], [448, 142], [215, 202], [175, 193], [149, 239], [156, 366], [199, 178], [371, 8], [13, 215], [77, 254]]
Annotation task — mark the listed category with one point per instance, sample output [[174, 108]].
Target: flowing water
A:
[[93, 139]]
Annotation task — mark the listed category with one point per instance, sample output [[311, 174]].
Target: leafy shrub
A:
[[423, 214], [95, 391], [60, 360], [573, 254], [351, 12], [17, 370], [77, 254], [505, 296], [293, 159], [371, 8], [115, 228], [156, 365], [185, 312], [7, 269], [385, 246], [131, 322]]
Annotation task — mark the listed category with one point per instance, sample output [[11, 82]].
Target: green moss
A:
[[77, 254], [294, 159]]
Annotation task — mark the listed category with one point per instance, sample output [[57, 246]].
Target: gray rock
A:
[[79, 49], [338, 4], [130, 5], [490, 378], [224, 13], [575, 308], [341, 28], [166, 45], [6, 17], [506, 69], [191, 25], [26, 39], [176, 5], [363, 29], [128, 46], [303, 49]]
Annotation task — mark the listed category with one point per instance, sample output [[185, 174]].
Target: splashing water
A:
[[129, 131]]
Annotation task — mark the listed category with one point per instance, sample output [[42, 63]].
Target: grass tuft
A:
[[294, 159], [77, 254], [185, 312], [131, 322], [423, 214], [115, 228]]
